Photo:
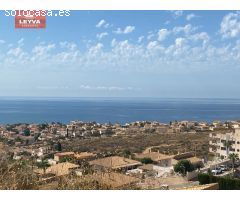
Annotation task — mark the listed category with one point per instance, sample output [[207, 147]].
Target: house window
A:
[[238, 142], [223, 148], [238, 150]]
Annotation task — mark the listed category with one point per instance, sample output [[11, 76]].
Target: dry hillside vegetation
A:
[[167, 143]]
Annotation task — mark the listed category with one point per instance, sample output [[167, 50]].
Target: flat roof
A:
[[155, 156], [84, 155], [64, 153]]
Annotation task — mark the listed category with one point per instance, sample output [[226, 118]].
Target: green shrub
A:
[[146, 160], [183, 166], [225, 183], [204, 178]]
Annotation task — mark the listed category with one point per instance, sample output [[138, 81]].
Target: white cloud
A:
[[129, 29], [21, 42], [167, 22], [230, 25], [140, 39], [180, 51], [162, 34], [126, 30], [187, 29], [152, 44], [43, 53], [17, 52], [150, 36], [96, 49], [102, 23], [106, 88], [190, 16], [68, 45], [113, 42], [179, 42], [102, 35], [42, 49], [202, 36], [2, 42], [177, 13]]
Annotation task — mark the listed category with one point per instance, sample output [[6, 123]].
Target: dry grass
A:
[[19, 175], [168, 143], [16, 175], [80, 183]]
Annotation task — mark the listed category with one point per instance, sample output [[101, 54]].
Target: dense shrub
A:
[[146, 160], [225, 183], [204, 179], [183, 166]]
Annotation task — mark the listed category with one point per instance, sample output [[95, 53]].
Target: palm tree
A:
[[227, 144], [233, 157]]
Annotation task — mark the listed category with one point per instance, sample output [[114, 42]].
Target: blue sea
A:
[[121, 110]]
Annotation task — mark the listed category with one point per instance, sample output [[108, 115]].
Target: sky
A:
[[170, 54]]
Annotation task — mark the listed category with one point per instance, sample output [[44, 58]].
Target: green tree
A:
[[183, 166], [233, 157], [66, 159], [146, 160], [227, 144], [36, 136], [18, 139], [127, 153], [43, 126], [59, 146], [26, 132]]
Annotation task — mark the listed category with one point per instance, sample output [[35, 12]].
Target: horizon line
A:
[[116, 97]]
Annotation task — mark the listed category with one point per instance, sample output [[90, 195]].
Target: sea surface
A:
[[121, 110]]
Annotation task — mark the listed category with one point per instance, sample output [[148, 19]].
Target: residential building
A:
[[115, 163], [190, 156], [158, 158], [219, 140], [84, 155], [63, 155], [59, 169]]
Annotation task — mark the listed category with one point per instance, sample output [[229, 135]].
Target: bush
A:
[[204, 179], [225, 183], [183, 166], [126, 153], [16, 175], [26, 132], [58, 146], [146, 160]]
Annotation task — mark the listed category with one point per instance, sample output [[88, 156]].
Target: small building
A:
[[190, 156], [197, 162], [158, 158], [62, 155], [115, 163], [84, 155], [61, 169]]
